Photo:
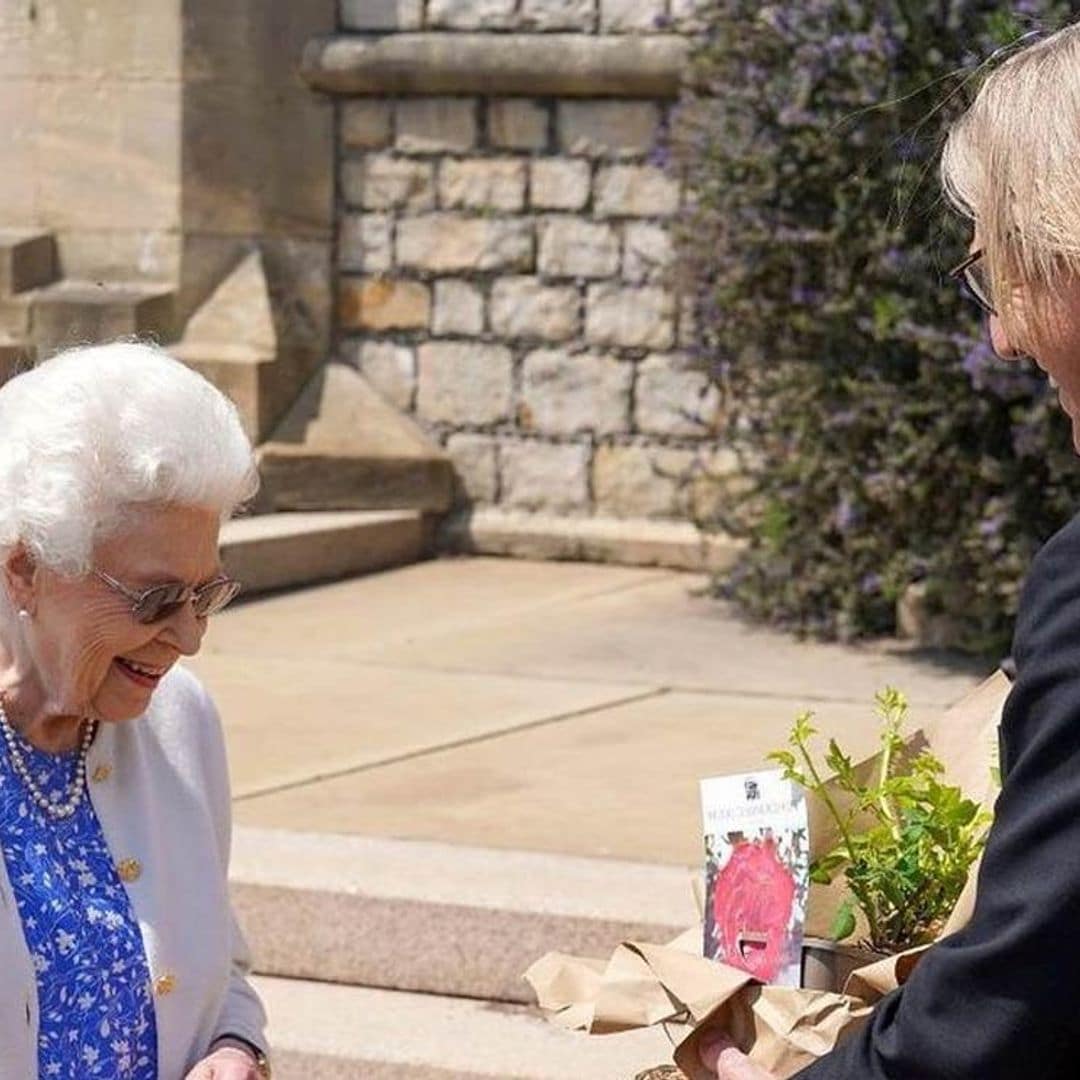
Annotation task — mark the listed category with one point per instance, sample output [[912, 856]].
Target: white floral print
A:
[[93, 982]]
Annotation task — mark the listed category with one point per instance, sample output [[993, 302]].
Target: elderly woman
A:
[[119, 957], [1001, 998]]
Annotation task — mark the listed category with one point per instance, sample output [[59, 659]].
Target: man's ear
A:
[[20, 577]]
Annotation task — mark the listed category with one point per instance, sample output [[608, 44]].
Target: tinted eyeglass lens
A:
[[165, 600], [160, 602], [212, 597], [975, 279]]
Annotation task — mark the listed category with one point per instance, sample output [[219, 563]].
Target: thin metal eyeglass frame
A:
[[190, 593], [962, 273]]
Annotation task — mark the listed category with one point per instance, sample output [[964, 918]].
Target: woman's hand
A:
[[226, 1063], [720, 1054]]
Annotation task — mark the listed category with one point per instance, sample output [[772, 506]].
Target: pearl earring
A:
[[23, 613]]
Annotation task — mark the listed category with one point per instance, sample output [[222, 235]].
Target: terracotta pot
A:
[[827, 964]]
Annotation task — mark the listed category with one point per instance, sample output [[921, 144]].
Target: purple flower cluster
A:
[[859, 385]]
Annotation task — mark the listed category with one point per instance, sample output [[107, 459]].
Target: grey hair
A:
[[93, 435], [1012, 165]]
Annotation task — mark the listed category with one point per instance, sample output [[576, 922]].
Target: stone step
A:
[[84, 312], [440, 918], [15, 356], [275, 551], [245, 376], [297, 479], [342, 447], [677, 545], [27, 260], [357, 1033]]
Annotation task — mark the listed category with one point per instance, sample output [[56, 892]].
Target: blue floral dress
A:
[[95, 1002]]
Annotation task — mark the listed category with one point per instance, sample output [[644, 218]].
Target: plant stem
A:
[[883, 800], [819, 786], [821, 789]]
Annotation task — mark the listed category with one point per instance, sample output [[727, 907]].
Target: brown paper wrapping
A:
[[783, 1029]]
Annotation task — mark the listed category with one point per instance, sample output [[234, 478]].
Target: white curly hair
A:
[[94, 434]]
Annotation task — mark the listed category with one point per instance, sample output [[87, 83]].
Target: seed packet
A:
[[757, 873]]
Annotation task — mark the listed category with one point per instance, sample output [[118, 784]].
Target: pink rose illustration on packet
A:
[[752, 904]]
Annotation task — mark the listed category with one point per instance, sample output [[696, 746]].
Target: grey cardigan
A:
[[160, 787]]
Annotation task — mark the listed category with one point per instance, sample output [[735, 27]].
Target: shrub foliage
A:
[[906, 839], [881, 441]]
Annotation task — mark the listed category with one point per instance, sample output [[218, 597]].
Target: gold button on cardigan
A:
[[168, 800], [129, 870]]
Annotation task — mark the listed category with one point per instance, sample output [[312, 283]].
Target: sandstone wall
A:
[[90, 110], [504, 257], [161, 139]]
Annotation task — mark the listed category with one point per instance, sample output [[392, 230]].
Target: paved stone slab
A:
[[290, 720], [352, 1033], [439, 918], [667, 632], [407, 686], [620, 782], [447, 596]]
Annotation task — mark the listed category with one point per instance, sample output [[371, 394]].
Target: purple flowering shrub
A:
[[882, 442]]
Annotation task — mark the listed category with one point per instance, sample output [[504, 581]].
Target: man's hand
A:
[[720, 1054], [226, 1063]]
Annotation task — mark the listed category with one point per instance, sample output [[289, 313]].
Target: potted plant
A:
[[905, 842]]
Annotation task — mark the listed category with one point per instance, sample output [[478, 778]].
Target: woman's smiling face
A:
[[82, 635]]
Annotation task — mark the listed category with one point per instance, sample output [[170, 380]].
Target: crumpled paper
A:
[[783, 1029]]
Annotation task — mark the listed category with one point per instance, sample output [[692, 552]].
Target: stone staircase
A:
[[402, 960], [287, 550], [349, 485], [41, 313]]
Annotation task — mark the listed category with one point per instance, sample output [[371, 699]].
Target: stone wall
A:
[[161, 140], [90, 106], [504, 258]]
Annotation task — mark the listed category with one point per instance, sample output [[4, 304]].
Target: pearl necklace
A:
[[57, 811]]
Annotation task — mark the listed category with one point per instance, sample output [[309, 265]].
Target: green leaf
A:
[[782, 757], [843, 924], [823, 870], [839, 762], [775, 525], [803, 730]]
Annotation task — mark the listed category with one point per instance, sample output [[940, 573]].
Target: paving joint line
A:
[[584, 680], [454, 744], [628, 680]]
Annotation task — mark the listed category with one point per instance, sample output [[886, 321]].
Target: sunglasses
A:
[[160, 601], [972, 273]]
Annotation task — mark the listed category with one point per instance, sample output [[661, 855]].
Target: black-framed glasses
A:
[[160, 601], [972, 272]]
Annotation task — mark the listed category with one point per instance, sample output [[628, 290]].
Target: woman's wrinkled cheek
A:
[[101, 640]]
